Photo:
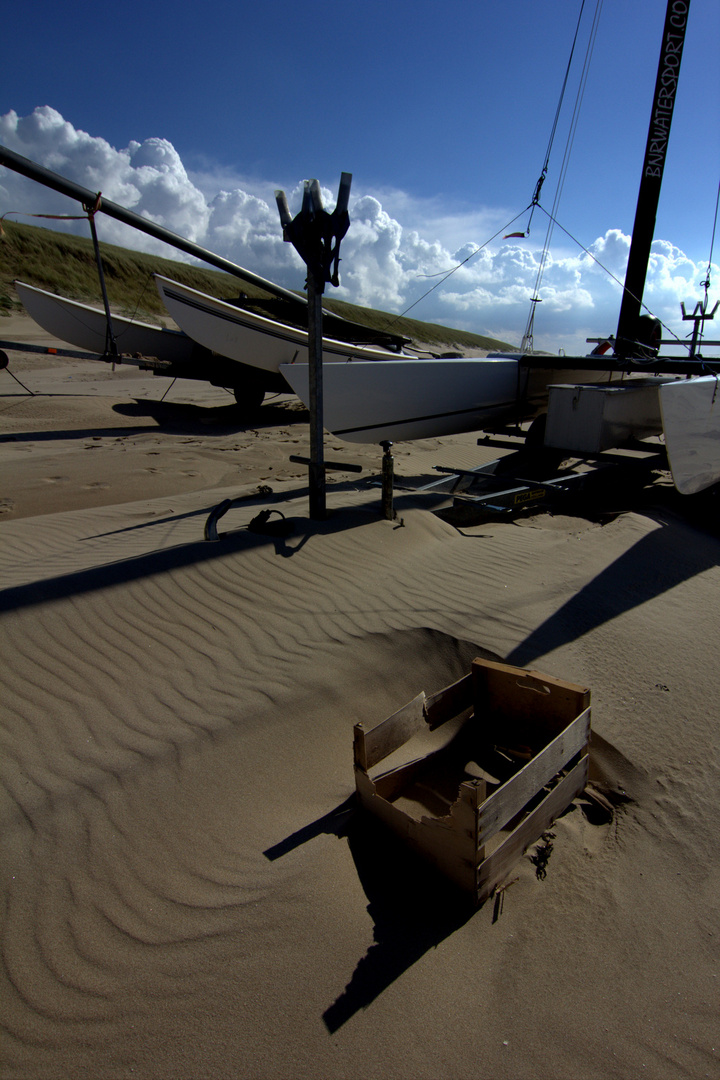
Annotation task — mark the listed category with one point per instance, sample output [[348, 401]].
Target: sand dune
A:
[[189, 891]]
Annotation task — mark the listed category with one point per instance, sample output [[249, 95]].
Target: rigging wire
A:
[[449, 273], [706, 283], [541, 179], [546, 163], [527, 341], [616, 279]]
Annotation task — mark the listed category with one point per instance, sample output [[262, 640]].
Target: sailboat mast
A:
[[652, 172]]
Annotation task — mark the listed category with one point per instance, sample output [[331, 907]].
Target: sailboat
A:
[[85, 327], [410, 398], [246, 337], [168, 352], [373, 403], [404, 397]]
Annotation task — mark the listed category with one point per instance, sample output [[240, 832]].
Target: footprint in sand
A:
[[6, 506], [56, 479]]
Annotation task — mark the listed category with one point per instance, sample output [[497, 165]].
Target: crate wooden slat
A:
[[374, 745], [496, 867], [534, 727], [503, 804]]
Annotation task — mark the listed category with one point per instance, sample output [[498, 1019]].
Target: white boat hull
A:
[[411, 399], [691, 422], [248, 338], [85, 327]]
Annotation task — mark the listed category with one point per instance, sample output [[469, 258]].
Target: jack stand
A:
[[388, 471]]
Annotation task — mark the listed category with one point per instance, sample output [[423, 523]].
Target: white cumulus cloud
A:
[[385, 263]]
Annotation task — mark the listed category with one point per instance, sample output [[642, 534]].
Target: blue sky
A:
[[441, 111]]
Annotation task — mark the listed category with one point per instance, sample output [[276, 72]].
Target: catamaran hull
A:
[[85, 327], [691, 424], [422, 399], [248, 338], [411, 399]]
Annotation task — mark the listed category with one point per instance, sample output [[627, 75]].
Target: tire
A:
[[535, 438], [249, 396]]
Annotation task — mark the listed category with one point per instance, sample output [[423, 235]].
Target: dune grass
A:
[[65, 264]]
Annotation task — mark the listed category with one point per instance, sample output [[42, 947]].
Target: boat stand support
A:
[[316, 236], [111, 348], [388, 475]]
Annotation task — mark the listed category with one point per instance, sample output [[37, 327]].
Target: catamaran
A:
[[410, 398], [86, 327], [241, 335], [404, 397]]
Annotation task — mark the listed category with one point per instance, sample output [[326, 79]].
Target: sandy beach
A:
[[189, 891]]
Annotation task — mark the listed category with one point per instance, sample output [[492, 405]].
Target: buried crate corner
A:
[[473, 775]]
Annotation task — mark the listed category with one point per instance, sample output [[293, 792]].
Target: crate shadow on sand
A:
[[413, 907]]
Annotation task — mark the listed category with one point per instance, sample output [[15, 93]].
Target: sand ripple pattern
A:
[[172, 709]]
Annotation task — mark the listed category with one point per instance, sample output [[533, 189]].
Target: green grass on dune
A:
[[65, 264]]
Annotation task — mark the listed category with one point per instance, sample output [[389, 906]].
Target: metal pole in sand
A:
[[316, 470], [111, 348], [316, 236], [388, 471]]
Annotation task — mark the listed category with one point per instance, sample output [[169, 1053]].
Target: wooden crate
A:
[[510, 754]]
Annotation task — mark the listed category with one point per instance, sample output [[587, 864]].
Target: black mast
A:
[[630, 330]]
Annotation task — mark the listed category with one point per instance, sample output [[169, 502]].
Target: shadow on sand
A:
[[659, 561], [189, 418], [195, 553], [412, 907]]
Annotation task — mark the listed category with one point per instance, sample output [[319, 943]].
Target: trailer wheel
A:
[[249, 396], [546, 459], [536, 432]]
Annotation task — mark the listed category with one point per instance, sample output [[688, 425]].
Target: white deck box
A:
[[590, 418]]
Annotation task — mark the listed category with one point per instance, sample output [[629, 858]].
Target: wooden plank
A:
[[449, 702], [449, 853], [492, 871], [548, 703], [374, 745], [461, 819], [390, 784], [510, 798], [442, 844], [364, 786], [399, 823], [449, 843], [359, 751]]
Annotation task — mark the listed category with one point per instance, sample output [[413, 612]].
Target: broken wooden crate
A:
[[510, 754]]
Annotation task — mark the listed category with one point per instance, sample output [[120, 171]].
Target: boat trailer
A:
[[533, 479]]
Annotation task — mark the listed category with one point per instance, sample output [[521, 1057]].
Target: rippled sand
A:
[[188, 891]]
